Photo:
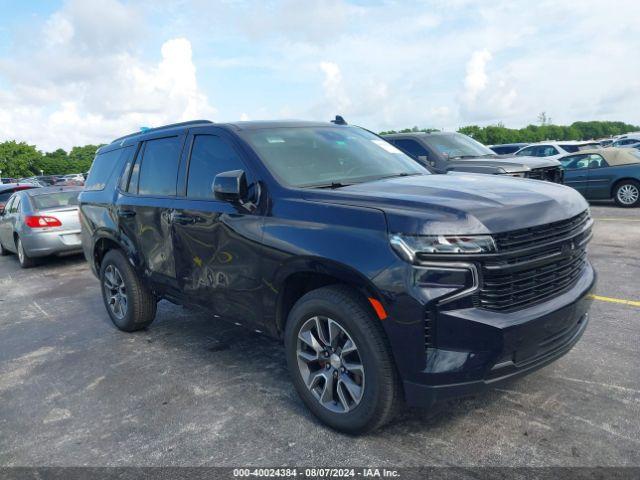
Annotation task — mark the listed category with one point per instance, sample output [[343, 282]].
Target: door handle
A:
[[126, 213], [183, 219]]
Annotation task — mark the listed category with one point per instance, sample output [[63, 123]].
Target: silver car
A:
[[40, 222]]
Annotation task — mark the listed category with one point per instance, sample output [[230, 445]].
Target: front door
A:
[[217, 244], [600, 177], [576, 173]]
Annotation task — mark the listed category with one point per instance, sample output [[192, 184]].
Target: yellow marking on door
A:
[[615, 300]]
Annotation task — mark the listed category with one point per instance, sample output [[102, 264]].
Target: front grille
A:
[[534, 264], [534, 236], [527, 287], [550, 174]]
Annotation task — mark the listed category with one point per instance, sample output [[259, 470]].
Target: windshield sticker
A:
[[386, 146]]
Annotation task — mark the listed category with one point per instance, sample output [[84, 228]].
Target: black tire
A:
[[381, 396], [141, 304], [631, 186], [23, 257]]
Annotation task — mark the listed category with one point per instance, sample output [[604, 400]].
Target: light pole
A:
[[41, 172]]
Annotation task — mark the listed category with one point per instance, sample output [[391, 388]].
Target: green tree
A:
[[18, 159]]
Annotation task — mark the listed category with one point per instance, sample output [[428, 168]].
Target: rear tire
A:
[[129, 303], [627, 194], [374, 379], [23, 257]]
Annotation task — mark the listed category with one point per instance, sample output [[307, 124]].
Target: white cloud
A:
[[95, 70], [476, 79], [87, 84]]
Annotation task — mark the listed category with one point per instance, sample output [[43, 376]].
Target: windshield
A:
[[457, 145], [55, 200], [329, 156]]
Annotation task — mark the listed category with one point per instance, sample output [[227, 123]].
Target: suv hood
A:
[[459, 203], [508, 163]]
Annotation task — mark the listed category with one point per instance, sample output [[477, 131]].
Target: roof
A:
[[614, 156], [238, 126], [420, 134]]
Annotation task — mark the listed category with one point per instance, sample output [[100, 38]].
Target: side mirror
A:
[[230, 186]]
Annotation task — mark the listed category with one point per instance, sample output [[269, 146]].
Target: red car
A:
[[8, 189]]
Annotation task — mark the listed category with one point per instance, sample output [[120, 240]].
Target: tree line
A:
[[19, 159], [495, 134]]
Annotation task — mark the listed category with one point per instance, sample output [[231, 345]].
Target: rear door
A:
[[145, 209], [216, 244]]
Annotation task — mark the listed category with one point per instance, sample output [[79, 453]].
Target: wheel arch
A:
[[303, 275], [619, 181], [101, 245]]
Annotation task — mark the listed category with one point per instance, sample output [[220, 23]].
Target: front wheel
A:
[[129, 303], [340, 360], [627, 193]]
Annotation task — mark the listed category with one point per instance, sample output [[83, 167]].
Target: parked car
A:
[[454, 152], [4, 180], [384, 282], [555, 150], [604, 174], [628, 142], [40, 222], [8, 189], [70, 180], [507, 148]]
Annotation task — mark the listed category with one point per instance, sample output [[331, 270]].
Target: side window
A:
[[7, 207], [596, 161], [545, 151], [159, 167], [101, 169], [411, 147], [135, 176], [15, 205], [128, 154], [529, 151], [582, 161], [210, 155]]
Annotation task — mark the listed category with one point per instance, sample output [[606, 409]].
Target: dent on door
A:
[[220, 263]]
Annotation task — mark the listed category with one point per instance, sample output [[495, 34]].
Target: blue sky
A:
[[75, 72]]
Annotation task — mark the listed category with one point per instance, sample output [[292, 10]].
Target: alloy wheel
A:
[[115, 291], [330, 364], [20, 251], [628, 194]]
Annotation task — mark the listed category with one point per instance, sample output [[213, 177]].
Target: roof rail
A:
[[157, 129]]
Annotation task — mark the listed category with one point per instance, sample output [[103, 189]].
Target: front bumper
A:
[[52, 242], [475, 349]]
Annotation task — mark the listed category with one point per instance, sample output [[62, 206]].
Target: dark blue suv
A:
[[388, 285]]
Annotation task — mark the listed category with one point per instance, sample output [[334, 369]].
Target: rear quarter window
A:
[[103, 167]]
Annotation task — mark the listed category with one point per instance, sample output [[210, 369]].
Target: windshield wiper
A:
[[332, 185]]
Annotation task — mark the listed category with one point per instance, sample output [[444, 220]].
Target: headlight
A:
[[409, 246]]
